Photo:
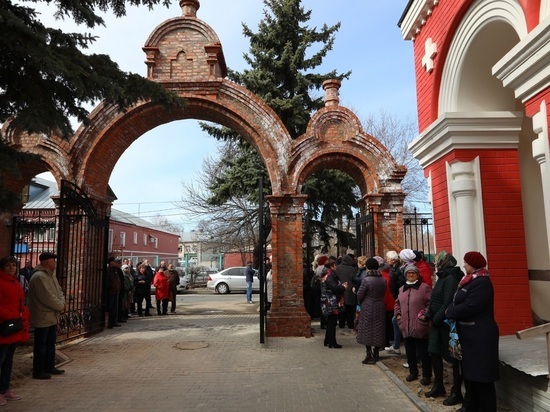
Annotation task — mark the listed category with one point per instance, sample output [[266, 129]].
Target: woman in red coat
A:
[[12, 299], [162, 290]]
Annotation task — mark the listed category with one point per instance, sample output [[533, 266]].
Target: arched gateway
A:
[[185, 55]]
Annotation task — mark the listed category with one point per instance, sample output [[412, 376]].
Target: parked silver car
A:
[[231, 280]]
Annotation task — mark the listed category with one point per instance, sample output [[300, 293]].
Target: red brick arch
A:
[[335, 140], [185, 56], [97, 147]]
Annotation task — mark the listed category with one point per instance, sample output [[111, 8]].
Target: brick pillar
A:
[[387, 211], [287, 316]]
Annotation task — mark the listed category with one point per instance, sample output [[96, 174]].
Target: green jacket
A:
[[46, 298]]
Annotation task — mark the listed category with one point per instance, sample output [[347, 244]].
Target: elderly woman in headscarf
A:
[[448, 275], [473, 310]]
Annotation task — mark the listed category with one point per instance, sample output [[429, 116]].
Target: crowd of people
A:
[[385, 301], [129, 289], [32, 298], [401, 299]]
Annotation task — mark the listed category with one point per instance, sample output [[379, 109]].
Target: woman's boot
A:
[[438, 389], [368, 359], [376, 354], [456, 391]]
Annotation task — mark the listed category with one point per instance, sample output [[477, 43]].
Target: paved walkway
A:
[[211, 362]]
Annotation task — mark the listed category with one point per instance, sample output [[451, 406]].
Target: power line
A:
[[146, 203]]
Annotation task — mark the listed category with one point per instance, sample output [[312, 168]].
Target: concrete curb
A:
[[405, 389]]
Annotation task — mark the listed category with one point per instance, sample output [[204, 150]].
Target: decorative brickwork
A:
[[185, 55]]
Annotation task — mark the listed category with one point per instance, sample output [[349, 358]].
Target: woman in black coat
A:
[[448, 276], [331, 291], [478, 333]]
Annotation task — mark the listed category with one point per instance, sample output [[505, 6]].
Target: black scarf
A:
[[415, 285]]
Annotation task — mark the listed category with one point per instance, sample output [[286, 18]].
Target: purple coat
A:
[[411, 300], [371, 329]]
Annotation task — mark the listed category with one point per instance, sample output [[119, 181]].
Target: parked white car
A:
[[231, 280]]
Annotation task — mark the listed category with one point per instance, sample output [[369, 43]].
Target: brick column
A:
[[287, 316], [387, 212]]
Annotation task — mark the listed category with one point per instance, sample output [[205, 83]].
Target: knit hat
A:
[[407, 255], [382, 265], [475, 260], [411, 268], [372, 264]]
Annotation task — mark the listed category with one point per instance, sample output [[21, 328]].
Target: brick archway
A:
[[97, 147], [185, 56]]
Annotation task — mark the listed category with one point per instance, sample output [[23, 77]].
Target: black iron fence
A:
[[418, 233], [78, 234]]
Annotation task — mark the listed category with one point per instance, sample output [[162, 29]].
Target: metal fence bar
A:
[[418, 233]]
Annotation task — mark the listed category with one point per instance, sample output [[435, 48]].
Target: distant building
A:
[[198, 249], [129, 236]]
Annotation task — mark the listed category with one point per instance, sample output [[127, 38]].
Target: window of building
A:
[[122, 239], [144, 239], [135, 238], [110, 241]]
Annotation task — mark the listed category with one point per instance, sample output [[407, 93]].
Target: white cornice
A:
[[416, 18], [526, 68], [480, 130]]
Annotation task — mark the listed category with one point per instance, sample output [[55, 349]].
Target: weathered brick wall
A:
[[287, 316]]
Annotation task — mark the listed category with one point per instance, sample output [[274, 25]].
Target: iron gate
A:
[[81, 263], [364, 225], [78, 234]]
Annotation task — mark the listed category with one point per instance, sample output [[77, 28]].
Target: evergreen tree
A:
[[282, 73], [45, 76]]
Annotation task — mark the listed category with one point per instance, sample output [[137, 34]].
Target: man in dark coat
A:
[[346, 272], [473, 310], [114, 286], [149, 275]]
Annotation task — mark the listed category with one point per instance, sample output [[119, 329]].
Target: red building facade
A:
[[483, 84]]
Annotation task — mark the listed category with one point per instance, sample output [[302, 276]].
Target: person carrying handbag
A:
[[13, 312], [331, 292]]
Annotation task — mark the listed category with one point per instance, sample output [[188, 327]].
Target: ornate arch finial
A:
[[332, 96], [189, 7]]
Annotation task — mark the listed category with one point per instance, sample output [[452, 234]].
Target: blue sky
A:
[[369, 43]]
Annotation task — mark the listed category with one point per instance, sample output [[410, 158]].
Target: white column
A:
[[541, 155], [465, 208]]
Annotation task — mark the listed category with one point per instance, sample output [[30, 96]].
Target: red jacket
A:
[[425, 272], [389, 301], [162, 289], [12, 303]]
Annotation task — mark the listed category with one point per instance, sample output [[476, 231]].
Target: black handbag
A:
[[11, 326], [14, 325]]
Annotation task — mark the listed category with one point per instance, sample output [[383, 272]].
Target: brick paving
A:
[[212, 362]]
